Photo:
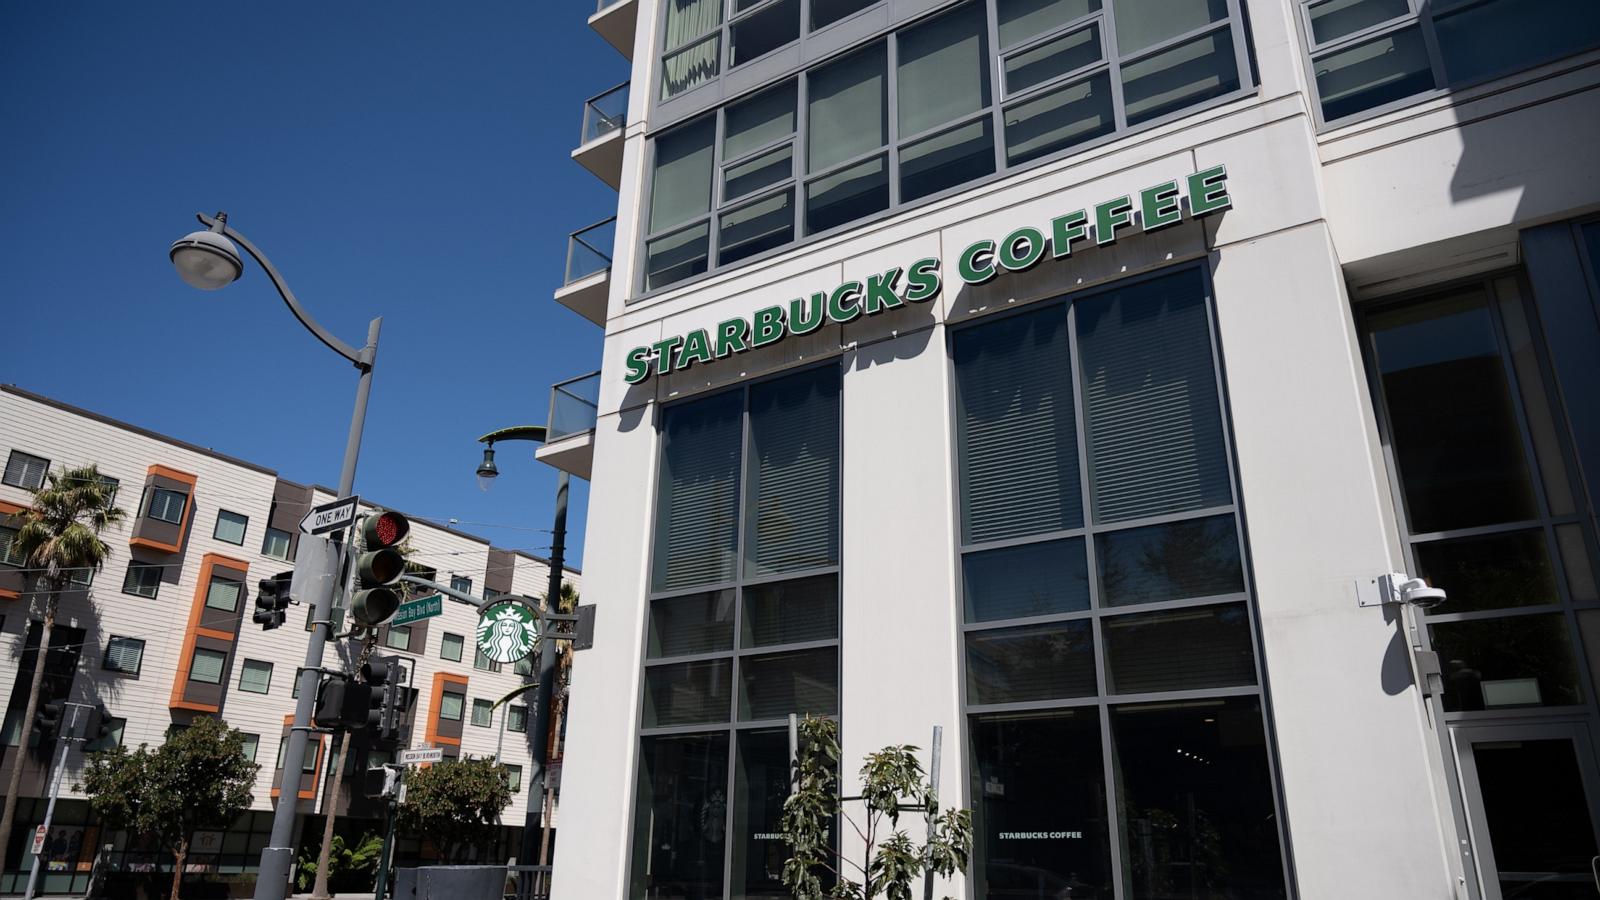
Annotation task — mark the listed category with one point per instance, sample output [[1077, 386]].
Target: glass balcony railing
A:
[[605, 113], [574, 404], [602, 4], [584, 254]]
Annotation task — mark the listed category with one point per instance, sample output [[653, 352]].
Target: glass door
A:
[[1531, 794]]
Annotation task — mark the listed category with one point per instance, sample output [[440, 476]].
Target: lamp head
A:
[[206, 260], [487, 471]]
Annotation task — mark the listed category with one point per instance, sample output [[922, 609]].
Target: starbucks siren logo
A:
[[507, 630]]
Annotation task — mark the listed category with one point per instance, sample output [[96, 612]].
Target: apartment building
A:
[[1066, 373], [162, 633]]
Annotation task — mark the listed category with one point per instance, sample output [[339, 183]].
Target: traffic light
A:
[[382, 781], [341, 703], [378, 569], [272, 599], [47, 721], [99, 724], [382, 676]]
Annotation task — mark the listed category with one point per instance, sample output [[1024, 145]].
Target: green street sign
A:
[[418, 609]]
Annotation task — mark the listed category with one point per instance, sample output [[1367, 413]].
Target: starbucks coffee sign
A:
[[507, 630], [1156, 207]]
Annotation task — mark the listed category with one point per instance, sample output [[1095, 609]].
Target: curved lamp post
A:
[[487, 472], [208, 260]]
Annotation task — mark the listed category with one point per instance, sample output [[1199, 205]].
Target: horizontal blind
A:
[[1150, 395], [794, 428], [8, 555], [1019, 453], [255, 677], [698, 508], [207, 666], [223, 594], [124, 654], [24, 470]]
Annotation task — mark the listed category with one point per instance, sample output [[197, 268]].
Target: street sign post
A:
[[418, 609], [335, 515], [422, 755]]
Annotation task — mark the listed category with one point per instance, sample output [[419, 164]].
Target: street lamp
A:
[[487, 471], [208, 260]]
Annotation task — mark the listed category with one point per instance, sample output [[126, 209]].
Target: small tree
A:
[[199, 780], [891, 780], [349, 865], [456, 804]]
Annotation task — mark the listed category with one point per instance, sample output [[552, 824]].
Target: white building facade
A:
[[162, 633], [1063, 373]]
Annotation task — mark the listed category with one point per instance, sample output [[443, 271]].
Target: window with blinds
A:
[[124, 654], [1094, 483], [255, 676], [142, 580], [223, 594], [26, 471], [9, 554], [207, 665], [743, 623]]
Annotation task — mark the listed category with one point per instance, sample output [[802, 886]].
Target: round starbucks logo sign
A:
[[507, 631]]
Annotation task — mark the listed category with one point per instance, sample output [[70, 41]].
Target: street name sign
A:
[[332, 516], [424, 755], [418, 609]]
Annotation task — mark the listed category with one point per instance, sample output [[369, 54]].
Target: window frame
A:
[[511, 719], [222, 671], [7, 559], [105, 657], [137, 566], [1105, 700], [462, 583], [461, 646], [1112, 63], [288, 544], [43, 473], [147, 505], [244, 527], [391, 631], [488, 709], [244, 666], [237, 599], [1311, 51], [461, 711]]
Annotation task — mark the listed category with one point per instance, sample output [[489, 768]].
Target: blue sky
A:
[[408, 160]]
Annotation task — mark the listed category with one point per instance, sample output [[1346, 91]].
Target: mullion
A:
[[953, 124], [1156, 49], [1082, 72], [1119, 117], [751, 155], [891, 112], [1044, 37], [996, 64], [1403, 20], [679, 227], [1105, 611], [811, 177], [1322, 51]]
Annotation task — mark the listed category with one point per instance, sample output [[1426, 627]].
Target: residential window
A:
[[523, 666], [912, 114], [142, 580], [1489, 502], [1369, 55], [115, 728], [255, 677], [482, 713], [480, 661], [461, 583], [1087, 494], [26, 471], [308, 764], [10, 555], [276, 544], [164, 505], [514, 778], [111, 485], [695, 35], [450, 704], [223, 594], [82, 576], [490, 593], [207, 665], [517, 718], [743, 624], [399, 637], [450, 646], [230, 527], [124, 654], [252, 744]]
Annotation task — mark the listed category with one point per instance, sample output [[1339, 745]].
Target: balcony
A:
[[615, 20], [600, 147], [587, 284], [569, 436]]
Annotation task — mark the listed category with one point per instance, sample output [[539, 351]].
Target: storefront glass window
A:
[[1124, 379]]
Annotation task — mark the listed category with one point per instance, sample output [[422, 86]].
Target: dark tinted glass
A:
[[1015, 427], [760, 785], [1032, 580], [1509, 662], [697, 507], [1037, 662], [1369, 75], [1194, 558], [945, 160], [801, 681], [677, 256], [1183, 76], [1195, 798], [794, 473], [678, 827], [1454, 429], [756, 227], [1054, 57], [826, 12], [696, 623], [1055, 120], [1151, 414], [1539, 825], [1502, 35], [765, 31], [1179, 650], [1334, 19], [1039, 806], [791, 611], [687, 693], [847, 195], [1489, 572]]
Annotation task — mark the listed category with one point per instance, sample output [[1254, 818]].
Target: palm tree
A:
[[60, 535]]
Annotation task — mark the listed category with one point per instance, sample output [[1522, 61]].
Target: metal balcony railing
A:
[[605, 113], [584, 256], [574, 406]]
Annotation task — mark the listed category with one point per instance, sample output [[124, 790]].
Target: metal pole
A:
[[547, 674], [381, 887], [55, 791], [277, 858], [933, 802]]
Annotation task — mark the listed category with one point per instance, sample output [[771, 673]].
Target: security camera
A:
[[1416, 592]]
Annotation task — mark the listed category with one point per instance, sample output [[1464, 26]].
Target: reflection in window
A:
[[1507, 662], [1179, 650], [1494, 571], [680, 825], [1030, 580], [1037, 662], [763, 31], [1192, 558]]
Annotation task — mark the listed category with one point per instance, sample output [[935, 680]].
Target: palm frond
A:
[[513, 694], [61, 529]]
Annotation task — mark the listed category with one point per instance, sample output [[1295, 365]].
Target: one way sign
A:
[[332, 516]]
